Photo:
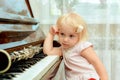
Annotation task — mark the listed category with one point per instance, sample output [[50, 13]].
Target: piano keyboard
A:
[[31, 69]]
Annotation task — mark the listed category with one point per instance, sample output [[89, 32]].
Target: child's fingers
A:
[[53, 30]]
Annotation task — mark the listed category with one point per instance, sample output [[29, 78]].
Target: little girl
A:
[[80, 61]]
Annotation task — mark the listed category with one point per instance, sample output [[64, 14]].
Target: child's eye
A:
[[62, 34], [71, 36]]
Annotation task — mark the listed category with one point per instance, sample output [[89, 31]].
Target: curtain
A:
[[102, 17]]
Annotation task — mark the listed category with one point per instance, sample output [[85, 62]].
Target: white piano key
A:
[[37, 71]]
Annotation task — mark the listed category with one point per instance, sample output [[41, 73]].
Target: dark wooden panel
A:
[[12, 36], [20, 47]]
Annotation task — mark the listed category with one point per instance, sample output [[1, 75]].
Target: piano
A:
[[19, 34]]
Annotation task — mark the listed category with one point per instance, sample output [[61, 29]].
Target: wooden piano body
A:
[[18, 32]]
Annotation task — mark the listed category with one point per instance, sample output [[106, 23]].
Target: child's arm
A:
[[48, 43], [92, 58]]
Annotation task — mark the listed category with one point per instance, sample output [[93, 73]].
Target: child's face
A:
[[68, 37]]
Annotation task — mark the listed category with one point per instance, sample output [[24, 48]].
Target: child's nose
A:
[[65, 38]]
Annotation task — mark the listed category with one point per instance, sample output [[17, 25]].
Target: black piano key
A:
[[16, 70], [6, 76], [24, 66]]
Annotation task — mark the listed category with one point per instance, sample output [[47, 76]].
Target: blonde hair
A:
[[74, 20]]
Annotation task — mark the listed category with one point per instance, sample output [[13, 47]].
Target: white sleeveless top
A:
[[74, 66]]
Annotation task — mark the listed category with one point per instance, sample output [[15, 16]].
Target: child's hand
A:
[[53, 30]]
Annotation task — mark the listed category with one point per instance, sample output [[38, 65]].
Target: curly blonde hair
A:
[[76, 21]]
